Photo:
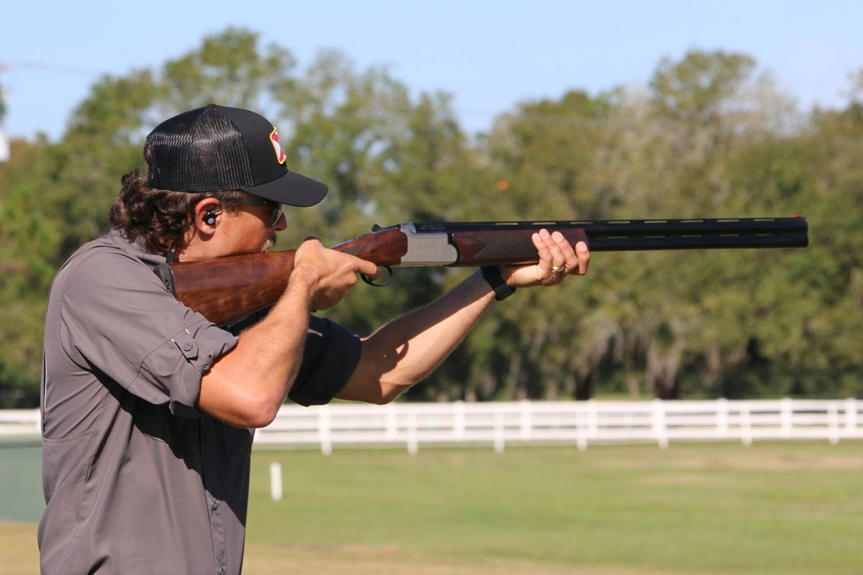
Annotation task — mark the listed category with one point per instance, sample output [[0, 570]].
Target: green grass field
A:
[[773, 508]]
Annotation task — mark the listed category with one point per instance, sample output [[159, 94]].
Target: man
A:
[[147, 406]]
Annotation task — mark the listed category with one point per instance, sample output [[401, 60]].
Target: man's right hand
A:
[[329, 274]]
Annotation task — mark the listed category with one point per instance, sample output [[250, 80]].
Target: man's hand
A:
[[557, 259], [330, 274]]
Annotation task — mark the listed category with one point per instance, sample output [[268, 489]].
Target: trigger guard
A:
[[373, 284]]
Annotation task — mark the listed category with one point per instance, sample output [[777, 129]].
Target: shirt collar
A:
[[137, 248]]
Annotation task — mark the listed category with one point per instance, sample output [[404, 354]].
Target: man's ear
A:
[[207, 215]]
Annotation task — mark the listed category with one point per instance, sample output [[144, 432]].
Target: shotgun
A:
[[227, 289]]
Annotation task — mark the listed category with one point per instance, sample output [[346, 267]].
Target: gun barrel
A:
[[482, 243], [638, 228], [682, 242]]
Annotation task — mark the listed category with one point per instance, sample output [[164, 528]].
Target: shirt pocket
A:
[[66, 465]]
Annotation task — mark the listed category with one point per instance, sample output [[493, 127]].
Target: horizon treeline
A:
[[707, 137]]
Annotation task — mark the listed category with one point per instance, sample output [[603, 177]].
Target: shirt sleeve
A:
[[330, 357], [118, 320]]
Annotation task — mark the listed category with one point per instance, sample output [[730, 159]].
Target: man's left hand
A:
[[557, 259]]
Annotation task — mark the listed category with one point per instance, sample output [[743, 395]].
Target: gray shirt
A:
[[136, 479]]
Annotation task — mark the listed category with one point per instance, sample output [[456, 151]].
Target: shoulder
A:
[[100, 268], [99, 251]]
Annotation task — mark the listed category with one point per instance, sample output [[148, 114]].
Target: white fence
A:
[[409, 425], [19, 423]]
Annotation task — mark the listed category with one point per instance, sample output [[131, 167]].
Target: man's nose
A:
[[281, 224]]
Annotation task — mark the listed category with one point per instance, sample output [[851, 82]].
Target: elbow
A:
[[262, 419], [249, 406], [255, 412], [261, 413]]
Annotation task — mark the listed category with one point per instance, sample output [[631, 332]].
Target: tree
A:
[[700, 88], [28, 245], [2, 104]]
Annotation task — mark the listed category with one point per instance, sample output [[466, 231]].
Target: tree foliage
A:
[[706, 138], [2, 104]]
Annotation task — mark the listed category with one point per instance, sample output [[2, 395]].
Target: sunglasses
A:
[[276, 210]]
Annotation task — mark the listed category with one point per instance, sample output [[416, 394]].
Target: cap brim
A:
[[292, 189]]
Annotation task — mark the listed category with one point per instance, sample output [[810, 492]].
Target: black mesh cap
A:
[[217, 149]]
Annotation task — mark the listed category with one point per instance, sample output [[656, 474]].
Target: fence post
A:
[[458, 421], [526, 420], [276, 481], [833, 423], [592, 419], [499, 441], [722, 418], [324, 429], [850, 417], [413, 441], [745, 425], [786, 417], [581, 427], [659, 429]]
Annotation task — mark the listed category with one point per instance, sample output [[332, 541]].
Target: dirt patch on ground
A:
[[19, 553]]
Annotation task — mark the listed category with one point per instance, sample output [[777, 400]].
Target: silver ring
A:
[[558, 270]]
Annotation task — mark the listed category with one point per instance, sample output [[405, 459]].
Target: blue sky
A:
[[488, 54]]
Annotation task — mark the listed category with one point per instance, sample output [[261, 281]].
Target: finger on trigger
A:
[[367, 268], [373, 275]]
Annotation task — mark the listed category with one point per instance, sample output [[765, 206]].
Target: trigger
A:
[[385, 284]]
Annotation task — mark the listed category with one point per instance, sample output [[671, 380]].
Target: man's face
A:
[[250, 230]]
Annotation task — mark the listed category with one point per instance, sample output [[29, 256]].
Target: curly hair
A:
[[161, 217]]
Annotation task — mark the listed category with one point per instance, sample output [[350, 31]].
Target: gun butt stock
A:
[[227, 289]]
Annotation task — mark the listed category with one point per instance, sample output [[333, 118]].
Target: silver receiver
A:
[[427, 248]]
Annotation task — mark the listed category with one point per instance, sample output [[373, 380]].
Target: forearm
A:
[[406, 350], [246, 386]]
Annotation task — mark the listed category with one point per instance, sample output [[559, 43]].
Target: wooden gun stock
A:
[[227, 289]]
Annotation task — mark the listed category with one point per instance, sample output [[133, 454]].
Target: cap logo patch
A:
[[280, 154]]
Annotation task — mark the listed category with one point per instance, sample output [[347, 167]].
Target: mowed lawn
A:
[[772, 508]]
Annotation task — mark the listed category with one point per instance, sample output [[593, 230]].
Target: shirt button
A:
[[207, 437], [215, 505], [187, 347], [205, 367], [221, 571]]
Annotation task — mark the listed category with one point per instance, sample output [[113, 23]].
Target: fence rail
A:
[[408, 425], [19, 423]]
